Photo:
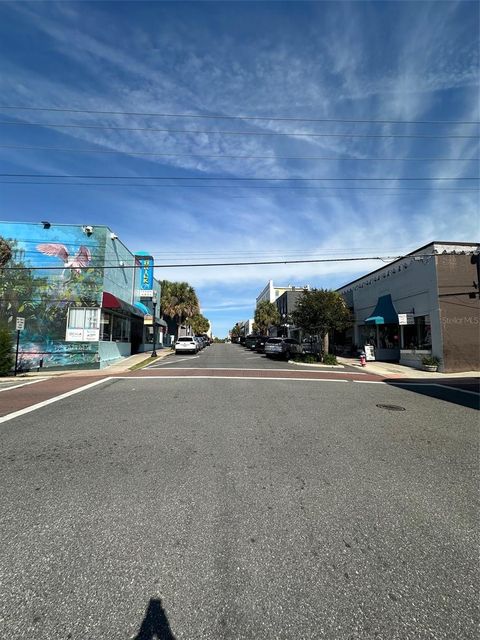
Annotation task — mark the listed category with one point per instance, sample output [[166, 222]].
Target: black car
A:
[[241, 340], [260, 344], [250, 341]]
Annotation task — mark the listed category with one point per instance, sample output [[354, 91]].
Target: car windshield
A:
[[275, 341]]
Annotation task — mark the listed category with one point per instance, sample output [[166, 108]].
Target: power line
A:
[[233, 157], [233, 178], [233, 264], [234, 133], [232, 186], [234, 117]]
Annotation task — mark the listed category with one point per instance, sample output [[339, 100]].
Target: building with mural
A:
[[87, 300]]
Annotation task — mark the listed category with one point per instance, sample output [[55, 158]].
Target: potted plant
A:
[[430, 363]]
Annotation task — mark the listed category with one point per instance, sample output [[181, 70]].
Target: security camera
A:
[[46, 224], [88, 230], [113, 236]]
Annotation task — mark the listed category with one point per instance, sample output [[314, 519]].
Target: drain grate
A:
[[391, 407]]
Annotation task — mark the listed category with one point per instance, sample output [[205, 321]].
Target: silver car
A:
[[282, 348]]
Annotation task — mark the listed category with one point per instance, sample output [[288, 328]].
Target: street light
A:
[[154, 302]]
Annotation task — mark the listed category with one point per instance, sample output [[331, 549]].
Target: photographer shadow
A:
[[155, 625]]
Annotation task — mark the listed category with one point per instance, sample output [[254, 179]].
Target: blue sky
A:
[[352, 61]]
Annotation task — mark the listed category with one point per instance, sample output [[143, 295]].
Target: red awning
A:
[[109, 301]]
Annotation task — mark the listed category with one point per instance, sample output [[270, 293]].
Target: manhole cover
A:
[[391, 407]]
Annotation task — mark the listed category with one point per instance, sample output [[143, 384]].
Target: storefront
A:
[[425, 304]]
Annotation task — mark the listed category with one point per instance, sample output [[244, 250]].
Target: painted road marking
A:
[[435, 384], [44, 403], [322, 371], [23, 384], [162, 364], [225, 378], [399, 383]]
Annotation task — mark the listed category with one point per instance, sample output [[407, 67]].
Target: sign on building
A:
[[20, 324], [83, 324], [406, 318], [369, 353], [145, 276]]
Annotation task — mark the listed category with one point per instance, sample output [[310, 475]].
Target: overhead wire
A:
[[232, 264], [236, 157], [232, 178], [232, 117], [219, 186], [237, 133]]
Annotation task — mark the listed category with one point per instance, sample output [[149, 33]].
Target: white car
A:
[[186, 344]]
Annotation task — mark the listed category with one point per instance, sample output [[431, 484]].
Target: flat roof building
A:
[[426, 303]]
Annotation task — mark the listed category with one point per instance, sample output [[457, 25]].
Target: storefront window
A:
[[121, 329], [418, 335], [368, 335], [389, 336], [106, 326]]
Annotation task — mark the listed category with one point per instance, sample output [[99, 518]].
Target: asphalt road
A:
[[228, 356], [239, 509]]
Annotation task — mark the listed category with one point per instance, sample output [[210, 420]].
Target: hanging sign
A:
[[145, 276], [406, 318]]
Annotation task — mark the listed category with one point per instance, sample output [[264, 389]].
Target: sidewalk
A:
[[118, 367], [391, 369]]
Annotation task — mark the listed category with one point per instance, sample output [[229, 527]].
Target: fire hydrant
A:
[[363, 360]]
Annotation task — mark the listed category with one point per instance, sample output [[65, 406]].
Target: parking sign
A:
[[20, 324]]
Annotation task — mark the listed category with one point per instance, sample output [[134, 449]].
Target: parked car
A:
[[260, 343], [250, 341], [241, 340], [203, 341], [200, 342], [186, 344], [282, 347], [207, 339]]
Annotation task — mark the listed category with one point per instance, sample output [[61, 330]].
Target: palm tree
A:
[[178, 302]]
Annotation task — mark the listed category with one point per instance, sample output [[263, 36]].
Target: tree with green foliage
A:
[[6, 351], [266, 315], [178, 302], [321, 311], [236, 331], [199, 324]]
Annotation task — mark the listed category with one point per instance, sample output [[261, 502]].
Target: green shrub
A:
[[329, 358], [430, 361], [305, 357], [6, 347]]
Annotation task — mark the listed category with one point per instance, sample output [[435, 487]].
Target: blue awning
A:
[[143, 308], [384, 313]]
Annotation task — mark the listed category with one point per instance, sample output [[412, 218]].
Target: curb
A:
[[319, 365]]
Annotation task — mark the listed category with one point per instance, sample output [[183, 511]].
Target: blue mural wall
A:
[[43, 272]]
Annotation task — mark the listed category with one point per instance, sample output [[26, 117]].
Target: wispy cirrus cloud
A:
[[312, 60]]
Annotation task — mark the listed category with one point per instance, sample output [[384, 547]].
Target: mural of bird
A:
[[82, 258]]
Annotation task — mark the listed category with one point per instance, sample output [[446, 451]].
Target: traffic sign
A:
[[20, 323]]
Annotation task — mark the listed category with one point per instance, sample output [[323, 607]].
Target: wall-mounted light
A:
[[87, 230], [46, 225], [113, 236]]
